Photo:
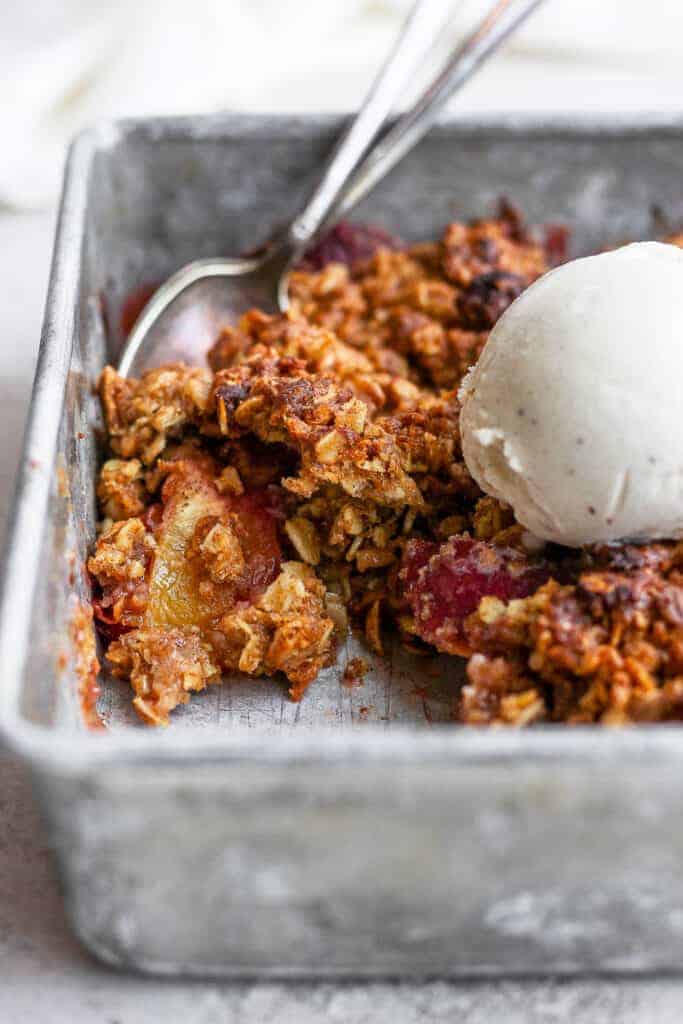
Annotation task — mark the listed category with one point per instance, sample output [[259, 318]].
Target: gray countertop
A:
[[46, 977]]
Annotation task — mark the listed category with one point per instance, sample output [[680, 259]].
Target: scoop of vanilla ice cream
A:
[[574, 412]]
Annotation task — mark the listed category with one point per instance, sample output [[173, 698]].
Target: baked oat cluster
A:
[[311, 480]]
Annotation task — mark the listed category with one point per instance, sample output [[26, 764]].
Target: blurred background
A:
[[67, 63]]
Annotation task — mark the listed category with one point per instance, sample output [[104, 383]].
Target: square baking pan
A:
[[361, 832]]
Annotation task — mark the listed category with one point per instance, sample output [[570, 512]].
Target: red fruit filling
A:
[[133, 305], [107, 626], [257, 515], [444, 583], [348, 243]]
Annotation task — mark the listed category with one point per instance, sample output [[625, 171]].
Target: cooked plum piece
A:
[[445, 583]]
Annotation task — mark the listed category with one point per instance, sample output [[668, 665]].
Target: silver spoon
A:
[[186, 313]]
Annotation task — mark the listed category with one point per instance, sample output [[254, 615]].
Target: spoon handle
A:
[[425, 20], [499, 23]]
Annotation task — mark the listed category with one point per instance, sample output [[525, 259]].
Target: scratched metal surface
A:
[[397, 689], [359, 832]]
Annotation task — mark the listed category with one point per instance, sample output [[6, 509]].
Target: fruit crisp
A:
[[311, 480]]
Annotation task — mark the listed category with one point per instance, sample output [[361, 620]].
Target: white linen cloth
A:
[[67, 63]]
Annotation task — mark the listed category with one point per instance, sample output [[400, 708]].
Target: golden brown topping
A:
[[320, 351], [141, 415], [304, 537], [486, 247], [491, 518], [286, 630], [608, 648], [217, 544], [274, 398], [119, 564], [120, 489], [432, 304], [164, 666]]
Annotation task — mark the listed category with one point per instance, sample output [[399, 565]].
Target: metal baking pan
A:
[[359, 832]]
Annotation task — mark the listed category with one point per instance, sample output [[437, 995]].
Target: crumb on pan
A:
[[354, 672]]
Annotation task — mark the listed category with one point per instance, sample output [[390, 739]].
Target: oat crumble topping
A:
[[312, 478]]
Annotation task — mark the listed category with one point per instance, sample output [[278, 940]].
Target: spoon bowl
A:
[[186, 313]]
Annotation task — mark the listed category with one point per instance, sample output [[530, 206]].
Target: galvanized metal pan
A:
[[360, 832]]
